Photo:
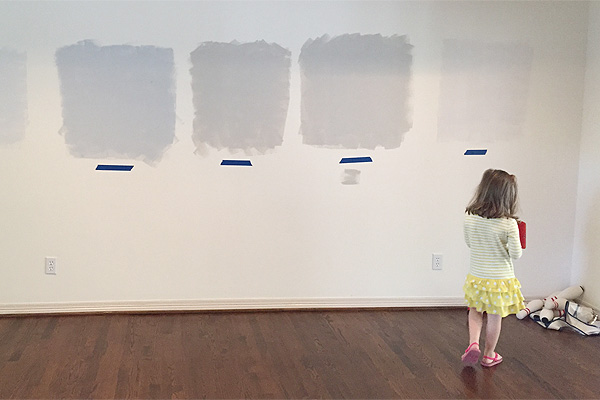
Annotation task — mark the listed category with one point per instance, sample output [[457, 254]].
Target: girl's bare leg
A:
[[475, 325], [492, 333]]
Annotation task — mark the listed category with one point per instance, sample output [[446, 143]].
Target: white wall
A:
[[586, 258], [286, 230]]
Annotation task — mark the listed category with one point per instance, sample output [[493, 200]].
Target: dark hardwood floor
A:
[[291, 354]]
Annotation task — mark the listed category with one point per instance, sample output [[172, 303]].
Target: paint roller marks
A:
[[13, 95], [105, 167], [237, 163], [483, 90], [240, 95], [475, 152], [356, 91], [118, 101], [354, 160], [351, 177]]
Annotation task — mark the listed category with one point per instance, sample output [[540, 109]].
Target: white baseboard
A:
[[227, 305]]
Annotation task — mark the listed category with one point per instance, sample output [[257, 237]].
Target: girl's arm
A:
[[514, 242], [467, 239]]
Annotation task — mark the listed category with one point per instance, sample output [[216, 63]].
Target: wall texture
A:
[[181, 231], [586, 258]]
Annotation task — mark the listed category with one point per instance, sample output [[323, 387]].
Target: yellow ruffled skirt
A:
[[494, 296]]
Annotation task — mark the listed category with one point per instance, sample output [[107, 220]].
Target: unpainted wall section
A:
[[586, 256]]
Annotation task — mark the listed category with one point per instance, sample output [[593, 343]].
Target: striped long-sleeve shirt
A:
[[494, 243]]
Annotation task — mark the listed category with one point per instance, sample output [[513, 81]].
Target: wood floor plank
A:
[[294, 354]]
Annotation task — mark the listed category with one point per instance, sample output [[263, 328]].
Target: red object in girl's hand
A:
[[522, 233]]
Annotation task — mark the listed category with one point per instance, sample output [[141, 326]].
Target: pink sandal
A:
[[471, 355], [495, 361]]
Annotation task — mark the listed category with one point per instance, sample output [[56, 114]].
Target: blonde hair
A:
[[496, 196]]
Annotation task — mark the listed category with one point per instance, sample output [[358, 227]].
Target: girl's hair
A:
[[496, 196]]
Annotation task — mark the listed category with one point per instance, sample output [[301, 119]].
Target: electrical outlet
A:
[[436, 261], [51, 265]]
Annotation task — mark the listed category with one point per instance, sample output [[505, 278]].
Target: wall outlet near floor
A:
[[436, 261], [50, 265]]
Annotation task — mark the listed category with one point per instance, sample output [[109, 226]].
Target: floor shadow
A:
[[468, 376]]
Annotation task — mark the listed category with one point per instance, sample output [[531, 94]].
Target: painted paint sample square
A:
[[240, 95], [13, 96], [118, 101], [483, 90], [356, 91]]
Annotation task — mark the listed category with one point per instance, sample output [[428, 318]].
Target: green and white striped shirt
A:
[[494, 243]]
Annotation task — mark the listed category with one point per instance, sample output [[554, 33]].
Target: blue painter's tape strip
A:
[[239, 163], [481, 152], [103, 167], [352, 160]]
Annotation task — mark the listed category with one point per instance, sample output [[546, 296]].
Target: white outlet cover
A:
[[437, 261], [50, 265]]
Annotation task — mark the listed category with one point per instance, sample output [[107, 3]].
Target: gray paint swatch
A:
[[13, 96], [356, 91], [240, 95], [483, 90], [118, 101]]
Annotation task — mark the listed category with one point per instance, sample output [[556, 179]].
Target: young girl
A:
[[492, 234]]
